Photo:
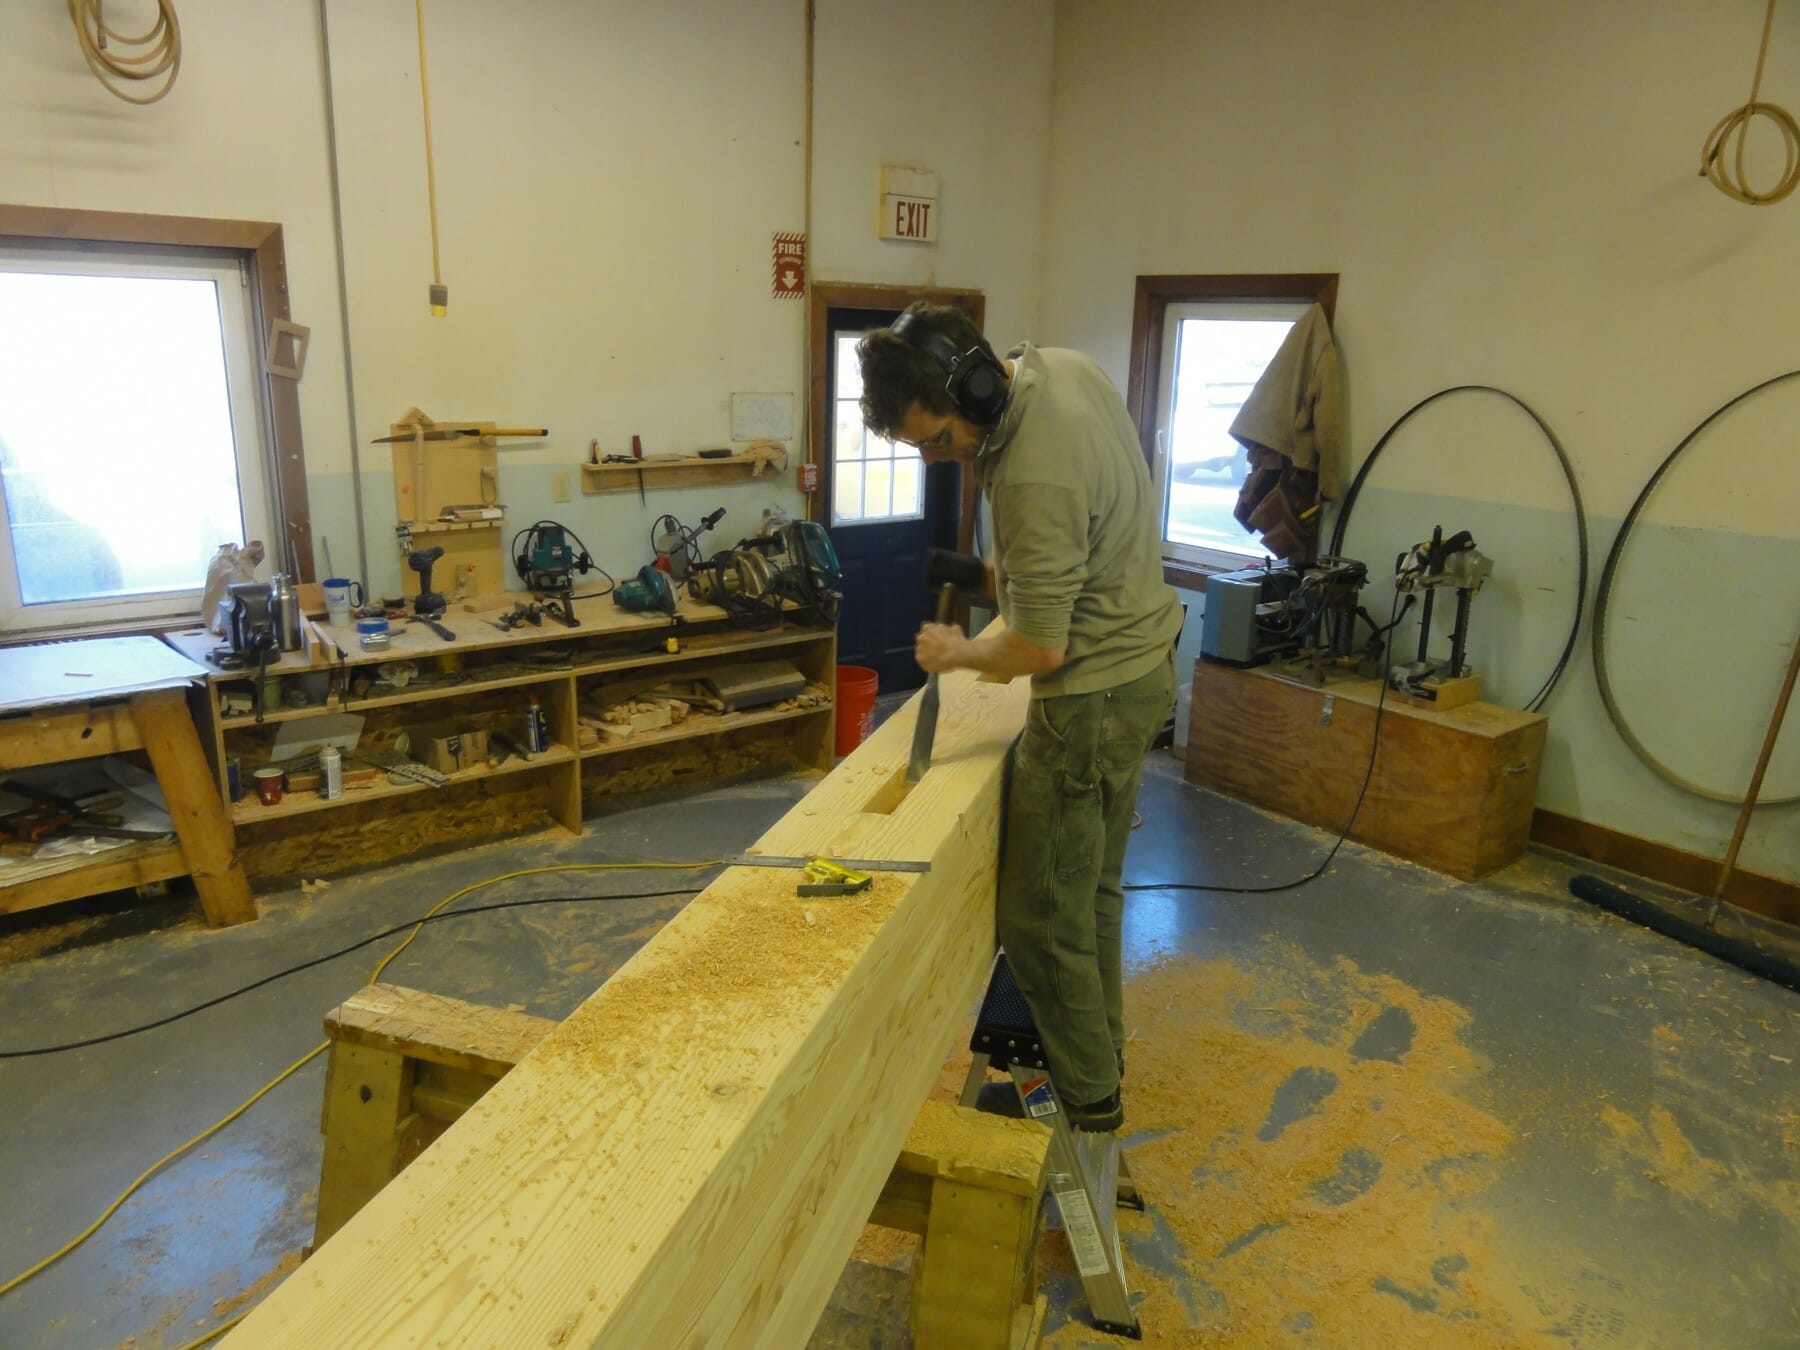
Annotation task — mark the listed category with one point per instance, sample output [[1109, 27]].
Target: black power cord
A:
[[1350, 824], [332, 956], [1538, 699], [1603, 601]]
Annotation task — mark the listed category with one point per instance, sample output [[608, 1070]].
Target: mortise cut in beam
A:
[[689, 1158], [889, 795]]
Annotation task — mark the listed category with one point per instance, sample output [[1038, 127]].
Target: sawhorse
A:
[[405, 1064]]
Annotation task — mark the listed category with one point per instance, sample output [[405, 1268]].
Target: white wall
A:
[[242, 137], [962, 89], [608, 179], [609, 176], [1509, 195]]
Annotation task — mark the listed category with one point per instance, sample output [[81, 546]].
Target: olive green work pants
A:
[[1075, 776]]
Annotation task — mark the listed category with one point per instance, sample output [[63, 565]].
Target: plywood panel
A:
[[1453, 790], [690, 1157]]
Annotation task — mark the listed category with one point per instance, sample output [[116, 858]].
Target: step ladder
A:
[[1087, 1176]]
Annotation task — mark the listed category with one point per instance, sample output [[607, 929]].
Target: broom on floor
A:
[[1746, 955]]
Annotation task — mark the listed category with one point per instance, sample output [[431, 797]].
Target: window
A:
[[873, 479], [130, 444], [1199, 346], [1213, 355]]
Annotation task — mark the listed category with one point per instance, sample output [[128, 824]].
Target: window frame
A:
[[822, 298], [260, 248], [226, 271], [1145, 391]]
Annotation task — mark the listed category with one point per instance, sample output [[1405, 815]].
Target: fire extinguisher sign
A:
[[789, 258]]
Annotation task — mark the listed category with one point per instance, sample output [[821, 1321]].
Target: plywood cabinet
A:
[[1452, 790]]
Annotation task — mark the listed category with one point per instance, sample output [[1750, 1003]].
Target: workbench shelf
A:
[[671, 471], [485, 680], [701, 724], [764, 645], [250, 811], [146, 715], [115, 869]]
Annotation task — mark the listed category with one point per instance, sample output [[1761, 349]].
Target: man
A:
[[1077, 572]]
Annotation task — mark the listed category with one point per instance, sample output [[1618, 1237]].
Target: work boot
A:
[[1102, 1117], [1000, 1099]]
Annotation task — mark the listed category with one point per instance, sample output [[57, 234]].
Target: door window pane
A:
[[847, 494], [909, 483], [876, 480]]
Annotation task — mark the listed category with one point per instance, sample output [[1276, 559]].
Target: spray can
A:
[[331, 773], [537, 732]]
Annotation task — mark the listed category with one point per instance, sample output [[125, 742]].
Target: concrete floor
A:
[[1386, 1108]]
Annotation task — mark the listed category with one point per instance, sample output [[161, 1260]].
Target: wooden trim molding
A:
[[1150, 307], [829, 295], [260, 241], [1185, 576], [1766, 895]]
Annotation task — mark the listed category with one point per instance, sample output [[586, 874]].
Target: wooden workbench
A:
[[486, 677], [1452, 790], [80, 700]]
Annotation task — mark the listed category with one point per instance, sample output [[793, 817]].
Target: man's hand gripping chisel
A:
[[946, 571]]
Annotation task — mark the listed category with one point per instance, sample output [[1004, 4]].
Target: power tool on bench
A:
[[429, 605], [650, 589], [677, 550], [1431, 566], [547, 556], [792, 572]]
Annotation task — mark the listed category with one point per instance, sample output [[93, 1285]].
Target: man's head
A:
[[914, 373]]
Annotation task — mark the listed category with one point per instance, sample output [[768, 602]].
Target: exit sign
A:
[[909, 204]]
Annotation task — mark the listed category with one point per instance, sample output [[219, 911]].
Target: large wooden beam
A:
[[689, 1158]]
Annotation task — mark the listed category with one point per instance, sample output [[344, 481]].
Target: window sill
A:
[[145, 627], [1187, 576]]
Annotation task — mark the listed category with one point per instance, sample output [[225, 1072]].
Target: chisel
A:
[[925, 730]]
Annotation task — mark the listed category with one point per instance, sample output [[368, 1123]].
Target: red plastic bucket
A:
[[856, 687]]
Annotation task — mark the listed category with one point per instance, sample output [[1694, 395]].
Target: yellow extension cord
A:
[[1726, 171], [307, 1058], [135, 57]]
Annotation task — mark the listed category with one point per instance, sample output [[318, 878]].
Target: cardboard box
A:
[[448, 748]]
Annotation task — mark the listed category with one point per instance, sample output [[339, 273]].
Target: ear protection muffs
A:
[[975, 380]]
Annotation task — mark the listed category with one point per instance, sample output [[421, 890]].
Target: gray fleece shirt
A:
[[1077, 551]]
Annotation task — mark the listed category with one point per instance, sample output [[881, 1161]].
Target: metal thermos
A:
[[285, 601]]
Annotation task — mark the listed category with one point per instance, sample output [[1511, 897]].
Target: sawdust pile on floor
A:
[[1657, 1149], [1301, 1133], [227, 1307]]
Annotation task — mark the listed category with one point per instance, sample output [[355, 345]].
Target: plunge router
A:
[[547, 561]]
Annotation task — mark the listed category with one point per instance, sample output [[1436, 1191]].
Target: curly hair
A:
[[896, 374]]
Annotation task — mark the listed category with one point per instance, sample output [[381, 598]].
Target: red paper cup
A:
[[268, 785]]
